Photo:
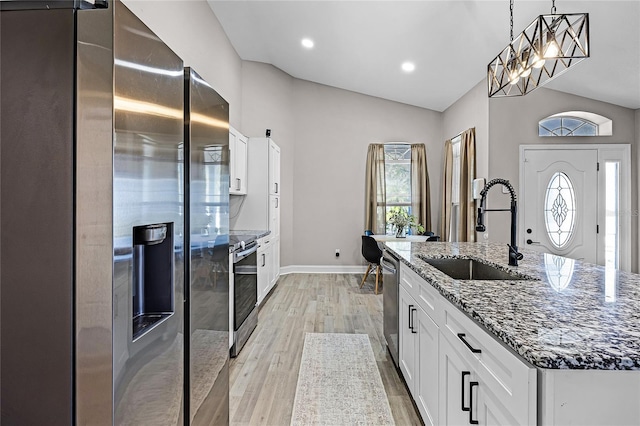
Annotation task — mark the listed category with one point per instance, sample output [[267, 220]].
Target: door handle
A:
[[413, 330], [461, 336], [276, 187], [410, 318], [464, 374], [238, 183], [530, 241], [263, 260], [277, 202], [471, 386]]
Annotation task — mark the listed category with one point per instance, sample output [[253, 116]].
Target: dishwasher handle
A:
[[388, 267]]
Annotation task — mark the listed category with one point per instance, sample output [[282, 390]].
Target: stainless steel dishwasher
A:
[[391, 279]]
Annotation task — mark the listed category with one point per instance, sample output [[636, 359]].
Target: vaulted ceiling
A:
[[360, 45]]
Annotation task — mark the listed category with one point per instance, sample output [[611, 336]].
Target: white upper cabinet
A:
[[274, 168], [237, 162]]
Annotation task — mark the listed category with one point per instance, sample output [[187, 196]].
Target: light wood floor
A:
[[263, 377]]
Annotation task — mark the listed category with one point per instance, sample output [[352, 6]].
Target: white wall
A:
[[194, 33], [333, 129], [514, 122], [267, 98]]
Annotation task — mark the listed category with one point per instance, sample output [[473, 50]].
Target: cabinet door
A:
[[241, 164], [490, 411], [456, 377], [408, 338], [274, 168], [232, 160], [426, 386], [275, 261], [274, 215], [264, 267], [237, 162]]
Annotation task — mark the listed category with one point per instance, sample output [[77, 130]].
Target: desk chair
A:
[[372, 253]]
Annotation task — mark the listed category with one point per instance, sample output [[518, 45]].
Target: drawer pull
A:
[[471, 386], [410, 317], [461, 336], [464, 374], [413, 330]]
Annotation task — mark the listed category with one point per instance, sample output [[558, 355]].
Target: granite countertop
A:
[[573, 315], [258, 233]]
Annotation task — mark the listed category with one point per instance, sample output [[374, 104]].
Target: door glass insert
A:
[[560, 209], [612, 176]]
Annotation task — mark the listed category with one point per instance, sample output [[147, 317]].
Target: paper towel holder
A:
[[478, 186]]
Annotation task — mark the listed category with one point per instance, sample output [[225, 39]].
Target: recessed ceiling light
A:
[[408, 67], [307, 42]]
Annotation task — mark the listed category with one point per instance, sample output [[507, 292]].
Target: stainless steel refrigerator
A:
[[96, 239], [207, 296]]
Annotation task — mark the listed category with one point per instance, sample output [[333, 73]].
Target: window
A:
[[567, 126], [560, 209], [455, 189], [575, 123], [397, 164]]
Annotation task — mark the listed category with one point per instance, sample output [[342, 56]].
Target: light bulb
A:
[[537, 61], [524, 72], [514, 77], [552, 49]]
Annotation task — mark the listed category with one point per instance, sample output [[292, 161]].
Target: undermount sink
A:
[[470, 269]]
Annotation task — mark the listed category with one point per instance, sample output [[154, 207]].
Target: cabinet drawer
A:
[[424, 294], [501, 372], [264, 243]]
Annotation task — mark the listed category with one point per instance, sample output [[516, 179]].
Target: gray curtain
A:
[[375, 192], [420, 204], [467, 216], [445, 205]]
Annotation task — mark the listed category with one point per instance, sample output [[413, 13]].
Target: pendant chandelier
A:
[[544, 50]]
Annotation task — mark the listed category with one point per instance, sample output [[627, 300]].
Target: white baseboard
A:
[[323, 269]]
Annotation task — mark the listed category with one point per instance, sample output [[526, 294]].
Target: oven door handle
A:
[[239, 256]]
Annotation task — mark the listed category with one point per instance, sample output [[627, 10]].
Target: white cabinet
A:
[[268, 265], [237, 162], [274, 168], [265, 267], [275, 262], [418, 349], [408, 338], [455, 382], [260, 209], [456, 372], [426, 384]]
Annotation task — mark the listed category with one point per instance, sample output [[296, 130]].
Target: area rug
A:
[[339, 383]]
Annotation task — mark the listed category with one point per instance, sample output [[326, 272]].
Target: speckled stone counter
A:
[[570, 315], [257, 233]]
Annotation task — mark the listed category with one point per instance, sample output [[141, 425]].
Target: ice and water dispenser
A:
[[153, 276]]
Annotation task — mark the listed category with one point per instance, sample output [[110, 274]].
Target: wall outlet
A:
[[337, 252]]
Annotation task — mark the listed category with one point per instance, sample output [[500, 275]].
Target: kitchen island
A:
[[578, 324]]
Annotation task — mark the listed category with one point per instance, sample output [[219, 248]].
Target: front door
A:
[[560, 196]]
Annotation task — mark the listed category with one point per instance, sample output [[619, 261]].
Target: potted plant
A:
[[401, 220]]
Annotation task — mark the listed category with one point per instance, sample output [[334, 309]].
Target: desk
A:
[[408, 238]]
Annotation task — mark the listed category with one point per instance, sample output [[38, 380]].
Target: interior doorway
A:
[[576, 202]]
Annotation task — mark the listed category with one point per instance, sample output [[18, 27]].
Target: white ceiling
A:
[[360, 45]]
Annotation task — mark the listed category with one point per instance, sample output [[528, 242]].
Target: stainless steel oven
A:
[[245, 293]]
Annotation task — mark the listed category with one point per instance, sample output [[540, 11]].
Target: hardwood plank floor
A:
[[263, 377]]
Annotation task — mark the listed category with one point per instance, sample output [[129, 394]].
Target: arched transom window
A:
[[575, 123]]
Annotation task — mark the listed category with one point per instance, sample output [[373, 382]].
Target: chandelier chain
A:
[[553, 7], [511, 14]]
